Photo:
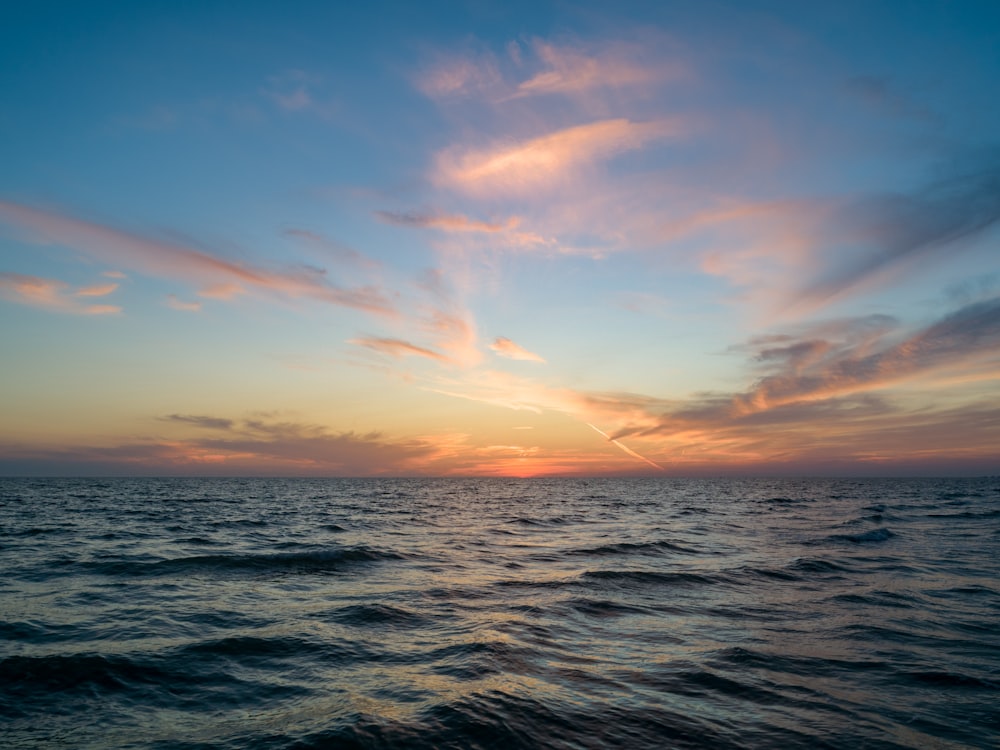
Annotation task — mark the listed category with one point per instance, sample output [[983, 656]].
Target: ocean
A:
[[499, 613]]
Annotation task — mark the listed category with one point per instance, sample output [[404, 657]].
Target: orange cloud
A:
[[507, 348]]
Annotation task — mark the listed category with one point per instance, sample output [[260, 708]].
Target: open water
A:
[[489, 613]]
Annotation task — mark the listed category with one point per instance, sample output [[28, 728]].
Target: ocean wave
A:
[[379, 615], [652, 578], [499, 614], [881, 534], [319, 561], [633, 548]]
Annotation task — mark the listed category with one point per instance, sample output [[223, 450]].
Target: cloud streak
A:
[[54, 295], [195, 267], [444, 222], [893, 229], [573, 69], [507, 348], [549, 160], [397, 348], [249, 447]]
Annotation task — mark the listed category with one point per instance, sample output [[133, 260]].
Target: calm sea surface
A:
[[145, 613]]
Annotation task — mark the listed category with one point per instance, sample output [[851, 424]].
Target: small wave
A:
[[603, 608], [634, 548], [25, 675], [772, 574], [468, 661], [877, 599], [323, 561], [378, 615], [967, 514], [554, 521], [867, 537], [952, 679], [272, 652], [652, 578]]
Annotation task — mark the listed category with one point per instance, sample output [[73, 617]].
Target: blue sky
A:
[[452, 238]]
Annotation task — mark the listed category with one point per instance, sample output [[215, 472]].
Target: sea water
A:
[[499, 613]]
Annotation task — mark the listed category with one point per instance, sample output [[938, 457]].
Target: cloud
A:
[[195, 267], [458, 75], [54, 295], [548, 160], [569, 68], [507, 348], [893, 229], [444, 222], [292, 90], [575, 69], [97, 290], [255, 447], [214, 423], [178, 304], [397, 348], [331, 248], [819, 372], [878, 94]]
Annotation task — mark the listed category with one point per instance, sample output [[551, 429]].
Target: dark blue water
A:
[[141, 613]]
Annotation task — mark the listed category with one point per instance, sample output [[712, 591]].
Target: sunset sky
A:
[[500, 238]]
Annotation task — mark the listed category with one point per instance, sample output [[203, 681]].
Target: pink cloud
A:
[[98, 290], [459, 75], [51, 294], [445, 222], [574, 69], [179, 304], [507, 348], [196, 267], [396, 348], [222, 291], [548, 160]]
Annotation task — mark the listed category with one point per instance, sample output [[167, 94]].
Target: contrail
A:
[[624, 447]]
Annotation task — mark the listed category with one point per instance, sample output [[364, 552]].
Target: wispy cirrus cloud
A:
[[507, 348], [192, 266], [296, 91], [55, 295], [475, 71], [506, 234], [212, 423], [176, 303], [397, 348], [885, 232], [882, 96], [573, 69], [96, 290], [540, 67], [549, 160], [445, 222], [332, 249]]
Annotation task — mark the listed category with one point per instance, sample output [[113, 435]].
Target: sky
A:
[[500, 238]]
